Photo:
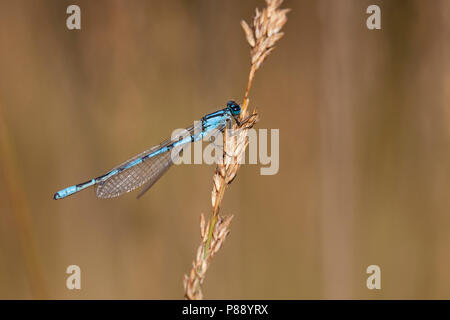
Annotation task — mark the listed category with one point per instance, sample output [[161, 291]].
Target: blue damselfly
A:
[[150, 165]]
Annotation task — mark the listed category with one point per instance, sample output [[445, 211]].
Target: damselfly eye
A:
[[234, 107]]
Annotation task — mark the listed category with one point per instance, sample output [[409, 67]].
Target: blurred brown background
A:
[[364, 149]]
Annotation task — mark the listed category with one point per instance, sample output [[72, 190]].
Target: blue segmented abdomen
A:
[[73, 189]]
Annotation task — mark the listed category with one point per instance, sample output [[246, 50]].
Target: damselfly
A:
[[150, 165]]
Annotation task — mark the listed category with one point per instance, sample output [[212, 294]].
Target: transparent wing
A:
[[164, 166], [148, 171], [168, 164]]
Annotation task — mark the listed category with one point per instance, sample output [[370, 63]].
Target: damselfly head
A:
[[234, 107]]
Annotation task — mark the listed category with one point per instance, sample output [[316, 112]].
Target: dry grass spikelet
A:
[[264, 32], [192, 282], [234, 151]]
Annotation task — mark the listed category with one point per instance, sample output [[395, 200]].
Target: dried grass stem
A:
[[262, 35]]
